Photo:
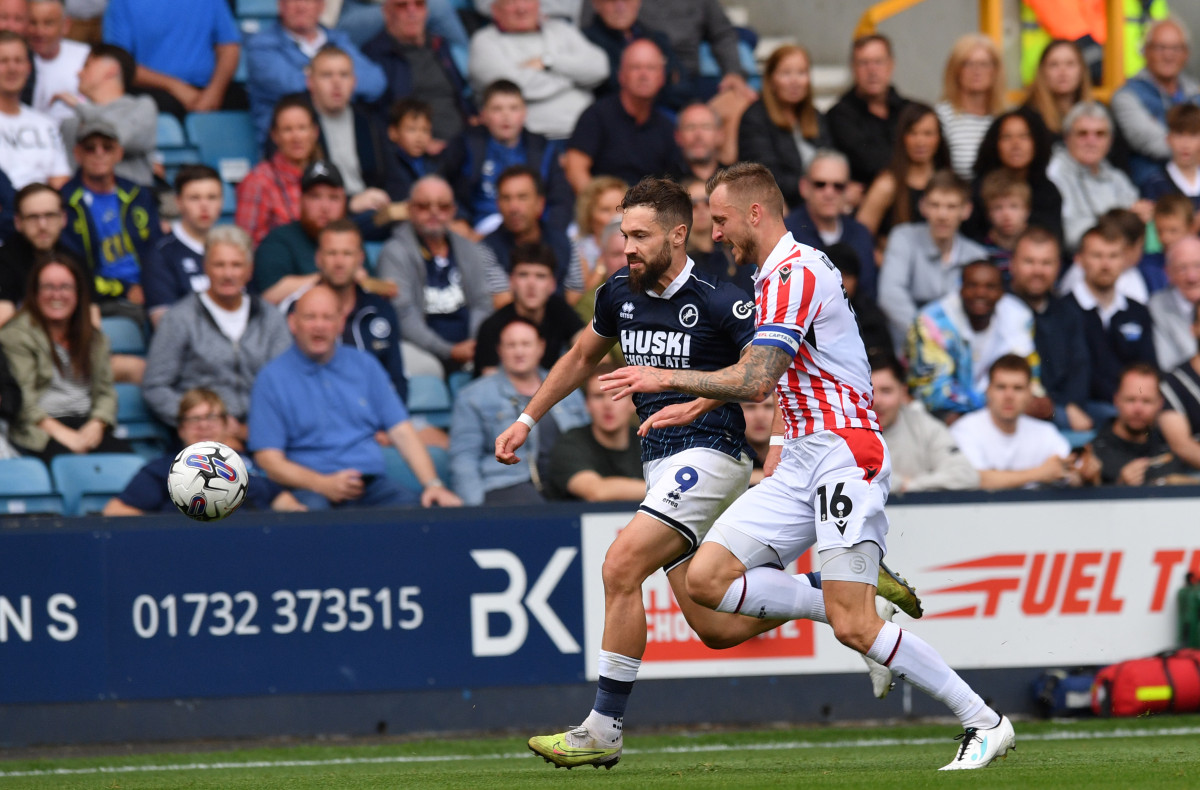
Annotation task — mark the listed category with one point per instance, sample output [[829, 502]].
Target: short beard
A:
[[749, 250], [647, 276]]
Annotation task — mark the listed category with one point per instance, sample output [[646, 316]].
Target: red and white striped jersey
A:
[[803, 310]]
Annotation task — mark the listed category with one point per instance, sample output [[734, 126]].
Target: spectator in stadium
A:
[[1180, 175], [1089, 185], [532, 285], [270, 195], [1118, 330], [474, 161], [277, 58], [31, 147], [284, 262], [1131, 448], [175, 267], [1006, 201], [783, 130], [925, 456], [922, 260], [315, 410], [187, 53], [872, 323], [219, 338], [612, 260], [409, 130], [760, 418], [57, 60], [14, 16], [370, 320], [40, 220], [616, 26], [486, 406], [864, 123], [103, 80], [600, 461], [972, 95], [1017, 144], [701, 141], [1174, 217], [1181, 409], [202, 417], [625, 134], [1062, 81], [350, 138], [597, 205], [363, 19], [1132, 232], [1172, 309], [894, 197], [820, 220], [1141, 104], [112, 223], [555, 67], [61, 362], [521, 198], [955, 340], [569, 11], [1006, 447], [713, 260], [418, 65], [10, 406], [1058, 334], [445, 282]]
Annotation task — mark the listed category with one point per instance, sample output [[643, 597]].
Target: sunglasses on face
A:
[[422, 205], [839, 186], [92, 146]]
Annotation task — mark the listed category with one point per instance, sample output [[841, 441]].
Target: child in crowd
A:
[[473, 162], [1174, 218], [1008, 201], [923, 260], [410, 128], [1181, 175], [1132, 232], [175, 267]]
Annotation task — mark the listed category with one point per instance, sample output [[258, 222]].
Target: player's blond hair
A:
[[749, 182]]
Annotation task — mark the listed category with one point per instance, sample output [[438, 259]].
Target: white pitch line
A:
[[1060, 735]]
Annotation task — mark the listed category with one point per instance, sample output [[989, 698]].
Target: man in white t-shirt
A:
[[1009, 449], [56, 58], [31, 148]]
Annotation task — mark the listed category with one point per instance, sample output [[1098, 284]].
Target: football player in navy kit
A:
[[663, 315]]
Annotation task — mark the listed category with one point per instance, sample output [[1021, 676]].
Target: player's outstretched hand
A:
[[672, 415], [623, 382], [510, 441]]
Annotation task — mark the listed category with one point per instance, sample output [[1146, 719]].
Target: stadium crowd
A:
[[435, 197]]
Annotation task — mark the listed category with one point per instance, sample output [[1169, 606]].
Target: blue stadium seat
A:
[[225, 140], [124, 335], [456, 381], [25, 487], [372, 249], [428, 397], [257, 8], [228, 201], [170, 132], [134, 420], [87, 482]]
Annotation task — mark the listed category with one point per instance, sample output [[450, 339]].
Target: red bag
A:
[[1167, 682]]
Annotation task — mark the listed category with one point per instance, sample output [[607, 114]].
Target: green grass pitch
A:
[[1148, 752]]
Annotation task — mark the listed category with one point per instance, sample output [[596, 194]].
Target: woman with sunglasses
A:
[[61, 362]]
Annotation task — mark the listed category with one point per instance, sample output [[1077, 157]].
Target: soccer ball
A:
[[208, 481]]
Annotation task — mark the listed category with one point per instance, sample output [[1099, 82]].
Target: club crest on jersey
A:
[[689, 314], [743, 310], [627, 310], [785, 273]]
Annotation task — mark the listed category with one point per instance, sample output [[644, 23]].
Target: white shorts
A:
[[829, 489], [688, 490]]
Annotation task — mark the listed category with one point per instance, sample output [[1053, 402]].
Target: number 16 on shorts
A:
[[840, 507]]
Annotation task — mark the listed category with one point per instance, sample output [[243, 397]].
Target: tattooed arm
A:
[[751, 379]]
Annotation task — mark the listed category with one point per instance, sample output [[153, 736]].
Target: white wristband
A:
[[776, 441], [526, 420]]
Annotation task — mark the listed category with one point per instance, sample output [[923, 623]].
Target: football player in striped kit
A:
[[830, 469], [663, 314]]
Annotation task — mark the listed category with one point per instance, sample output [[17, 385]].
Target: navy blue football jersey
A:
[[695, 324]]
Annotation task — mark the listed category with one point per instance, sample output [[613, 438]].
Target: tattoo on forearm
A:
[[740, 382]]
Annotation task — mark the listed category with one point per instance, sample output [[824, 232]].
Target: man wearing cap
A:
[[112, 223], [31, 148], [284, 262], [103, 83]]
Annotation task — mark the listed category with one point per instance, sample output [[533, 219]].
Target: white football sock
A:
[[911, 657], [768, 592]]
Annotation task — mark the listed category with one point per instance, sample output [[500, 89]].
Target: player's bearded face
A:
[[652, 267], [745, 248]]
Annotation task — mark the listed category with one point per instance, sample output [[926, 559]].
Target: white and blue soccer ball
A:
[[208, 481]]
